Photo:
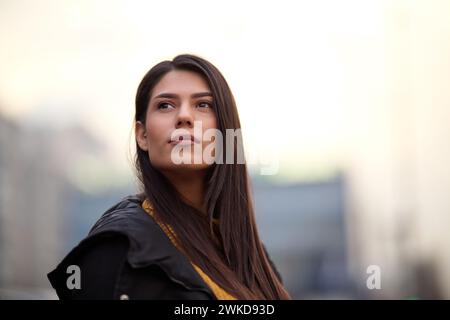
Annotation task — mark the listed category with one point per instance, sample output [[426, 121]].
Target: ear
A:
[[141, 135]]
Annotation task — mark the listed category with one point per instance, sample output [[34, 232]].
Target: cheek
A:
[[159, 152], [156, 131], [155, 138], [210, 123], [158, 135]]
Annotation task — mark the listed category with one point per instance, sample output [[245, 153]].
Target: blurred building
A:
[[304, 229], [32, 193], [41, 205], [397, 171]]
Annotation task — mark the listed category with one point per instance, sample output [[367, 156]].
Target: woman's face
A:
[[178, 100]]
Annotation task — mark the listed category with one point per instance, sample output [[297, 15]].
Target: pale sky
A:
[[290, 65]]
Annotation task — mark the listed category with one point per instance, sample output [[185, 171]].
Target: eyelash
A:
[[164, 103]]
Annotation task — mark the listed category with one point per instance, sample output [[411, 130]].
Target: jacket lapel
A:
[[149, 245]]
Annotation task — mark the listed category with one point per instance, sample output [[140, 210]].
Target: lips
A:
[[184, 139]]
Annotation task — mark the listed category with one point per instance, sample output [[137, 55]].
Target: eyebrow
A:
[[175, 96]]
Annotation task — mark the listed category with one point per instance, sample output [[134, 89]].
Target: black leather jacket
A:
[[126, 255]]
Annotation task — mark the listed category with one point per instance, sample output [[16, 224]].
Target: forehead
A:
[[180, 82]]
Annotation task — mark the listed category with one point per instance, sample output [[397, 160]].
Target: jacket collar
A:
[[148, 244]]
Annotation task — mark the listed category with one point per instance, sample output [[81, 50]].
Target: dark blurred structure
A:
[[303, 227]]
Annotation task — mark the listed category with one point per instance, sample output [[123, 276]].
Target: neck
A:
[[191, 186]]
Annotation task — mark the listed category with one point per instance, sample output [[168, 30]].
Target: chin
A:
[[190, 167], [184, 168]]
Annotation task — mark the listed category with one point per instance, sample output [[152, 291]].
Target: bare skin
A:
[[179, 110]]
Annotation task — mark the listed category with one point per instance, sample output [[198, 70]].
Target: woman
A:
[[191, 233]]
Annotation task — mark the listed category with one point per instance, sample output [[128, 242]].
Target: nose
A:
[[185, 117]]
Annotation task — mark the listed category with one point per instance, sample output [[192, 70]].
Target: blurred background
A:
[[351, 96]]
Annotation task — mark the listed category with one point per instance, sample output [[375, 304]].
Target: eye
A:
[[205, 105], [165, 106]]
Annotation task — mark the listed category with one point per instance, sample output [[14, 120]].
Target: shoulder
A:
[[119, 226], [126, 252], [104, 273], [92, 272], [91, 268]]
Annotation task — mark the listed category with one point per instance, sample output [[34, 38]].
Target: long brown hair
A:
[[230, 252]]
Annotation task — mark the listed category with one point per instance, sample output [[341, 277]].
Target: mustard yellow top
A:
[[220, 293]]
